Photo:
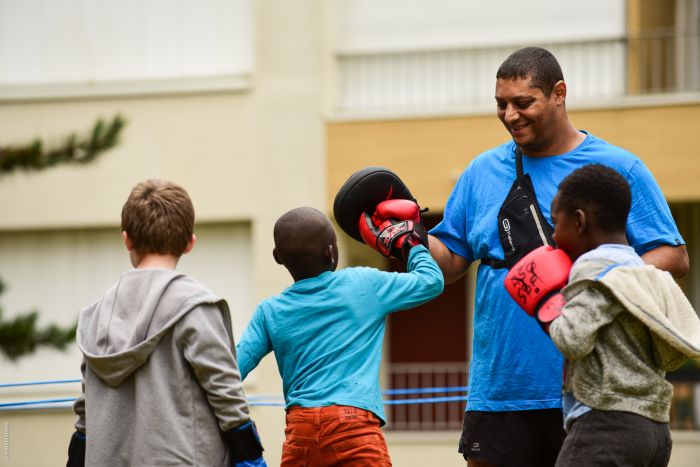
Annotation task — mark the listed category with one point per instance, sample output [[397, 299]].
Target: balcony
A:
[[442, 386], [598, 72]]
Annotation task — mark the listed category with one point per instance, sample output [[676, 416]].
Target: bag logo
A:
[[506, 229]]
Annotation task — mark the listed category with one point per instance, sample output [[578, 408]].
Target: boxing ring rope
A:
[[38, 383], [259, 401]]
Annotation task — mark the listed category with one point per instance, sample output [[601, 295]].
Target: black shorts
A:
[[629, 439], [525, 438]]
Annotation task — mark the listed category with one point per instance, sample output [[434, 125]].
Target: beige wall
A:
[[244, 156], [429, 154], [249, 156]]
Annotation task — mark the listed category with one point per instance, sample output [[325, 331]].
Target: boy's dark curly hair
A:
[[601, 192]]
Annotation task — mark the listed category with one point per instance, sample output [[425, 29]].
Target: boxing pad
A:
[[362, 192], [394, 228], [535, 283]]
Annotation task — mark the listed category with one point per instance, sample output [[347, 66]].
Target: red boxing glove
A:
[[394, 228], [535, 281], [398, 209]]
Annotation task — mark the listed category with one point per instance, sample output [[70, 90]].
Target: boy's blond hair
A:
[[158, 217]]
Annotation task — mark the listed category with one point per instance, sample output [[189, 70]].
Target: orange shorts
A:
[[336, 435]]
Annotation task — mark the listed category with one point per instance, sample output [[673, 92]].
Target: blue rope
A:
[[426, 400], [263, 400], [267, 404], [388, 392], [46, 401], [38, 383], [260, 403], [394, 392]]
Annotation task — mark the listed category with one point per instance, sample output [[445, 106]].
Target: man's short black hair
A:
[[536, 63], [601, 191]]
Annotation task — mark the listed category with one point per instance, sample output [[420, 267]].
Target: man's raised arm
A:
[[452, 265]]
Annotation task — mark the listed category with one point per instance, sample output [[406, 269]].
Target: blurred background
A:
[[257, 107]]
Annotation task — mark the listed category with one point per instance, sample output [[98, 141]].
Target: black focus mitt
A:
[[362, 192]]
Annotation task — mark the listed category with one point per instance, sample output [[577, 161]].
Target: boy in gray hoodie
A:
[[161, 384], [622, 326]]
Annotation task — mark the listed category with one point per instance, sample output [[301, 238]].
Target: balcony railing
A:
[[442, 385], [664, 60], [463, 79]]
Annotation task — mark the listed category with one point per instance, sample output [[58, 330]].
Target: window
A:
[[685, 411], [57, 272], [75, 47]]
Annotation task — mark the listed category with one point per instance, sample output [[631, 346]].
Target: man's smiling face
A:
[[528, 115]]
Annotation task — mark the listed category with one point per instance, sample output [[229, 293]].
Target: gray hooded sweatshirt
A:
[[160, 378], [620, 332]]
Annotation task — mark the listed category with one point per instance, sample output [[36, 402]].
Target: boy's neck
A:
[[155, 261], [610, 238], [301, 275]]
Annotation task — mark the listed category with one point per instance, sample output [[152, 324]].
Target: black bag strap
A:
[[502, 263], [518, 162], [494, 263], [523, 184]]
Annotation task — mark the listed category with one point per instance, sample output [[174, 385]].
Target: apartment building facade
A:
[[259, 107]]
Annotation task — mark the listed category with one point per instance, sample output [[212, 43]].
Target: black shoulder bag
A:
[[521, 225]]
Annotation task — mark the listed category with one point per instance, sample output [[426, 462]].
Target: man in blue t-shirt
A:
[[513, 415]]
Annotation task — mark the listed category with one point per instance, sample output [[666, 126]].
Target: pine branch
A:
[[74, 150], [20, 336]]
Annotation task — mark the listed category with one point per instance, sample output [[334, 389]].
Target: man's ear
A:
[[559, 92], [127, 241], [276, 256], [190, 244]]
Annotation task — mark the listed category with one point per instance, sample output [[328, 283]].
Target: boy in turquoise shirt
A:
[[326, 331]]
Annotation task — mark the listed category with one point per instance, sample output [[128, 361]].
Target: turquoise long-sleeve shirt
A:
[[327, 331]]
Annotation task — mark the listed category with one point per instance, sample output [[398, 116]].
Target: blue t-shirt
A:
[[514, 365], [327, 331]]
